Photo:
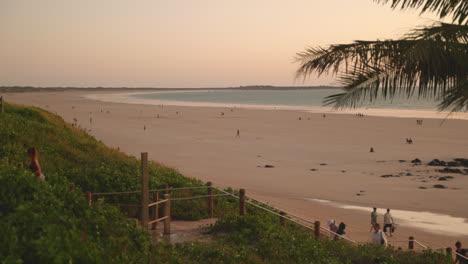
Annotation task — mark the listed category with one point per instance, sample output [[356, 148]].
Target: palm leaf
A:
[[458, 9], [431, 62]]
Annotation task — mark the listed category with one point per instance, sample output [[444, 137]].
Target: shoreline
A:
[[201, 143], [127, 98]]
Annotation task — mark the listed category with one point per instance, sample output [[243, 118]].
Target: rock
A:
[[409, 174], [358, 194], [362, 191], [416, 161], [422, 187], [313, 170], [423, 181], [445, 178], [436, 162], [440, 186], [269, 166], [401, 161], [389, 176], [323, 164], [343, 171], [463, 162], [449, 170], [453, 164]]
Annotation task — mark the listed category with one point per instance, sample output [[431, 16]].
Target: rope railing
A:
[[259, 204], [114, 193], [196, 197], [154, 190], [180, 188], [284, 216]]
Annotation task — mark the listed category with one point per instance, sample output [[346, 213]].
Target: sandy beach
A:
[[322, 166]]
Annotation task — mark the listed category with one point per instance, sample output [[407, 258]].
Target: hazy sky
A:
[[179, 43]]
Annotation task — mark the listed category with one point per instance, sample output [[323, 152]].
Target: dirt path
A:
[[183, 231]]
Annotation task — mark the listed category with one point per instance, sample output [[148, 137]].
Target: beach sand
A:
[[314, 158]]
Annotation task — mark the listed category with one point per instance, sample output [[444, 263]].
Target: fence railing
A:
[[314, 226]]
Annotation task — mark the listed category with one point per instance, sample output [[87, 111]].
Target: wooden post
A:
[[2, 109], [210, 200], [282, 219], [155, 210], [242, 208], [144, 190], [448, 251], [411, 243], [317, 229], [72, 187], [167, 212], [89, 198], [166, 188]]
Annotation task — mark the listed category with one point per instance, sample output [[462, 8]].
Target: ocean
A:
[[309, 100]]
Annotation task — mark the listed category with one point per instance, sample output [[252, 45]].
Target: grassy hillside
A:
[[44, 222]]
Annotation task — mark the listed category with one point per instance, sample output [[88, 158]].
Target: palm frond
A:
[[429, 62], [458, 9], [456, 100]]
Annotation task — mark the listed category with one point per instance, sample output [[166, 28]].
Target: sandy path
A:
[[201, 143]]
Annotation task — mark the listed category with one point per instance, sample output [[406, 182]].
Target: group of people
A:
[[359, 115], [337, 230], [379, 236], [419, 122]]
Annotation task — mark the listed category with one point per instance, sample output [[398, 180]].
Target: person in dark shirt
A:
[[34, 164], [463, 259]]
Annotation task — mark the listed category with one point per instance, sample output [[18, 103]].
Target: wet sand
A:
[[313, 158]]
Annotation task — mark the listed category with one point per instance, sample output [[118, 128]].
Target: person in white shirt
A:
[[388, 222], [378, 237], [333, 228]]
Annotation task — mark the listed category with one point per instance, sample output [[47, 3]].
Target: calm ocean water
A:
[[306, 98]]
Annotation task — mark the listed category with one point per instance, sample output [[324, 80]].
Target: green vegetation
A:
[[430, 62], [45, 222]]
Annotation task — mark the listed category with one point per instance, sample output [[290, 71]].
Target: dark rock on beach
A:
[[422, 187], [389, 176], [269, 166], [401, 161], [463, 162], [416, 161], [445, 178], [323, 164], [313, 170], [440, 186], [449, 170], [436, 162]]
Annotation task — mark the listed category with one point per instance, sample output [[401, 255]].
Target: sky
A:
[[180, 43]]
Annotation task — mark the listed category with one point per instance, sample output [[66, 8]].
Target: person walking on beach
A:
[[378, 237], [373, 219], [463, 252], [388, 222], [238, 134], [34, 164]]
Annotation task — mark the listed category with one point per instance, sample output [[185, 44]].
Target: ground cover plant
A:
[[46, 222]]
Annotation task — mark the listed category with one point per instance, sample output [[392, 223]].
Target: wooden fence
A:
[[315, 226]]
